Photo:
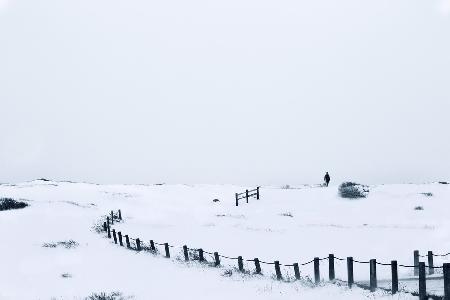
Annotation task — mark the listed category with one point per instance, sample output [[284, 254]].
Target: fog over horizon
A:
[[239, 91]]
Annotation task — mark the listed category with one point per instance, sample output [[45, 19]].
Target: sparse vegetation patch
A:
[[66, 244]]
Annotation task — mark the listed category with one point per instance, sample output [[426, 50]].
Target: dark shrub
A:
[[353, 190], [104, 296], [8, 203]]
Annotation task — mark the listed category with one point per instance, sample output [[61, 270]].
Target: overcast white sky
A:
[[235, 91]]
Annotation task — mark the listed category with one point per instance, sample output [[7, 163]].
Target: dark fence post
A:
[[105, 228], [109, 232], [373, 275], [152, 246], [127, 240], [216, 259], [237, 199], [350, 279], [114, 236], [278, 270], [120, 238], [416, 262], [257, 266], [257, 193], [138, 244], [296, 271], [107, 221], [394, 270], [246, 195], [422, 282], [317, 270], [112, 217], [446, 268], [331, 274], [186, 253], [240, 264], [120, 215], [166, 247], [200, 255], [430, 263]]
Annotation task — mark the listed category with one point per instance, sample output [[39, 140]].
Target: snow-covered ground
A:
[[289, 225]]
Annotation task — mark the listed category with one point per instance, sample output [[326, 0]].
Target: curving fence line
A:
[[198, 254]]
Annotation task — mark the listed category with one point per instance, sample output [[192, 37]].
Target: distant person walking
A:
[[327, 179]]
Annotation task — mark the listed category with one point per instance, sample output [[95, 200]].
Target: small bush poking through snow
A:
[[286, 187], [418, 208], [66, 244], [427, 194], [8, 203], [287, 214], [353, 190], [104, 296]]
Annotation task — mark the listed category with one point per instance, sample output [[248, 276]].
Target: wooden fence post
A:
[[109, 232], [430, 263], [200, 255], [105, 228], [120, 215], [114, 236], [422, 282], [127, 240], [240, 264], [331, 274], [373, 275], [138, 244], [166, 247], [186, 253], [120, 238], [112, 217], [246, 195], [216, 259], [317, 270], [237, 199], [152, 246], [350, 278], [296, 271], [394, 270], [416, 262], [278, 270], [257, 193], [446, 268], [107, 221], [257, 266]]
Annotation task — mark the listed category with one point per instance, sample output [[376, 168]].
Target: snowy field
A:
[[289, 225]]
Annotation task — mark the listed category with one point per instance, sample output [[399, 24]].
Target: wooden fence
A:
[[199, 255], [247, 194]]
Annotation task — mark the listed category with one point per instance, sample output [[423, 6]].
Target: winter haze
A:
[[237, 91]]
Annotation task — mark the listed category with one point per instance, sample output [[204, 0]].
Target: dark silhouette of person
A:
[[327, 179]]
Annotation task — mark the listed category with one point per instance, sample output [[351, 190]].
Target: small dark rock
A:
[[216, 200], [418, 208]]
